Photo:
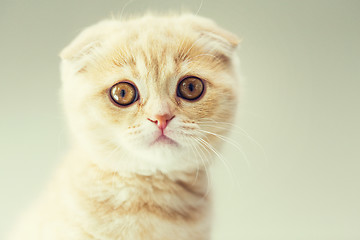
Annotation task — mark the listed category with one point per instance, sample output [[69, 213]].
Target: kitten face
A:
[[126, 100]]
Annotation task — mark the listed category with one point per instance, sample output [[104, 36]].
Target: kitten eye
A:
[[124, 93], [190, 88]]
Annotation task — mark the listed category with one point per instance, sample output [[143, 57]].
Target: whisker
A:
[[197, 161], [232, 142], [123, 8], [222, 160], [181, 47], [239, 130], [198, 11], [204, 161], [192, 45]]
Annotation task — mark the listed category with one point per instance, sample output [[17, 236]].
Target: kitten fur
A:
[[113, 183]]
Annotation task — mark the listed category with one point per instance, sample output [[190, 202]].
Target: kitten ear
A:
[[216, 39], [219, 41], [222, 35], [87, 41]]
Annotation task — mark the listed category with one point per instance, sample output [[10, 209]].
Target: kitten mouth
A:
[[164, 140]]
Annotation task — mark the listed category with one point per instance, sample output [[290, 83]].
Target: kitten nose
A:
[[162, 120]]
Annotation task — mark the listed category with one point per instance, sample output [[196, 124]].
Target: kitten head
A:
[[148, 94]]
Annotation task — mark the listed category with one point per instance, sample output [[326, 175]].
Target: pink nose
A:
[[162, 120]]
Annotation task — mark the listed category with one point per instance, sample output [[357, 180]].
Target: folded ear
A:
[[219, 42], [214, 38], [222, 35], [88, 40]]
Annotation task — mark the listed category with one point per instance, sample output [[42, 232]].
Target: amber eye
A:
[[124, 93], [190, 88]]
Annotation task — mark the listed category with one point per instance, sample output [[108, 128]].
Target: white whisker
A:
[[230, 141], [205, 161], [197, 161], [237, 129], [198, 11], [222, 160], [192, 45], [124, 7]]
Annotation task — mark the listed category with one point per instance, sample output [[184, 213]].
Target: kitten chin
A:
[[148, 101]]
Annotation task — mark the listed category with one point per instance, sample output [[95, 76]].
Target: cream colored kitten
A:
[[143, 98]]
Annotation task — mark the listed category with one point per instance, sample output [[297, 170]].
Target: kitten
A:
[[144, 99]]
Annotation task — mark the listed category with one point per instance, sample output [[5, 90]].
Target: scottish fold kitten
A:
[[143, 99]]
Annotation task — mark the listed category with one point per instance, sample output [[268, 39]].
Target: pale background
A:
[[301, 60]]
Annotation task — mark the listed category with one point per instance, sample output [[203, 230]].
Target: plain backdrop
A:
[[296, 174]]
